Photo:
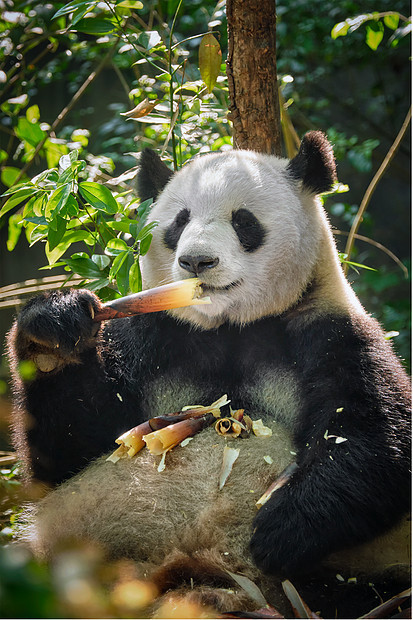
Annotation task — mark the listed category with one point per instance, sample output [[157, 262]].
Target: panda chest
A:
[[251, 368]]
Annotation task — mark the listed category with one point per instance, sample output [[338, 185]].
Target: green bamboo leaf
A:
[[15, 228], [97, 285], [70, 7], [99, 196], [146, 230], [29, 132], [101, 260], [144, 245], [118, 262], [130, 4], [135, 278], [210, 58], [70, 237], [54, 237], [84, 267], [121, 225], [122, 276], [115, 247], [56, 202], [94, 25], [9, 175], [17, 198]]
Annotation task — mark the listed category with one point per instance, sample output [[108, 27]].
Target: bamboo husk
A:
[[229, 457], [131, 442], [174, 295], [282, 479]]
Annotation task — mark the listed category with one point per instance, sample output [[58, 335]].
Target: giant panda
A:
[[284, 336]]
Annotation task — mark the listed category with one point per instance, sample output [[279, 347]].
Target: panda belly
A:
[[131, 509]]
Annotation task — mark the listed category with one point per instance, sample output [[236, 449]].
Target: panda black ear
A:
[[153, 175], [314, 164]]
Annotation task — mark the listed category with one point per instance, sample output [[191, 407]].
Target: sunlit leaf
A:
[[70, 7], [67, 160], [142, 109], [9, 174], [340, 30], [115, 246], [210, 57], [15, 228], [149, 39], [17, 198], [55, 203], [130, 4], [99, 196], [145, 244], [33, 113], [135, 278], [122, 276], [374, 34], [29, 132], [392, 20], [70, 237]]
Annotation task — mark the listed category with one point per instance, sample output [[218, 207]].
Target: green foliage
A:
[[374, 23], [67, 203], [61, 209]]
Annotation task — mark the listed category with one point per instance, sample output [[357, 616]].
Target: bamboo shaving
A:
[[229, 457], [260, 430]]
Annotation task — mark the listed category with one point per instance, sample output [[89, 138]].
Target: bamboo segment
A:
[[282, 479], [132, 442], [166, 297], [167, 438]]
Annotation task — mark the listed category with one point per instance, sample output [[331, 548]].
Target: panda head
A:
[[246, 224]]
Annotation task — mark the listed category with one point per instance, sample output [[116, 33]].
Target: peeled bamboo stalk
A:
[[167, 438], [166, 297], [282, 479], [131, 442]]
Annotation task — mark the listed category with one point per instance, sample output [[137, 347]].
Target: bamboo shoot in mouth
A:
[[167, 297]]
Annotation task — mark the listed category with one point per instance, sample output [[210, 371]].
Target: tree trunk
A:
[[252, 75]]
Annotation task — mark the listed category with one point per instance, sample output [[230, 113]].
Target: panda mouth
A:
[[217, 289]]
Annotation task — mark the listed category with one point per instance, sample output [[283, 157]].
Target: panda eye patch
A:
[[174, 230], [250, 232]]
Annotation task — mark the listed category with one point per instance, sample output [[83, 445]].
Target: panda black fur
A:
[[285, 337]]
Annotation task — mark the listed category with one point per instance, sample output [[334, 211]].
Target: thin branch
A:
[[371, 188], [379, 246], [68, 108]]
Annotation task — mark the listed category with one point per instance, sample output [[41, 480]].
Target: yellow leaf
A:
[[210, 57], [142, 109]]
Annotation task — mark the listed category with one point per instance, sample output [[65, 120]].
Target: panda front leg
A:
[[353, 444], [56, 428]]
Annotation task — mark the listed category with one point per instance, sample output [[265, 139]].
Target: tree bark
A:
[[252, 75]]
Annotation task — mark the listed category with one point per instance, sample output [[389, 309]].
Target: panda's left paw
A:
[[283, 541]]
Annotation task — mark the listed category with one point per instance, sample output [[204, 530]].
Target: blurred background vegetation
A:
[[69, 70]]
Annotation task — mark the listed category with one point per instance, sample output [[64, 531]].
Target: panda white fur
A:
[[285, 337]]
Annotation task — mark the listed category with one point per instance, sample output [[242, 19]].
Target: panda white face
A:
[[238, 222]]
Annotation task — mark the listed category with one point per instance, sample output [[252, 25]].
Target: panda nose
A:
[[197, 264]]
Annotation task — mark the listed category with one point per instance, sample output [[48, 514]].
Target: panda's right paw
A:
[[54, 328]]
